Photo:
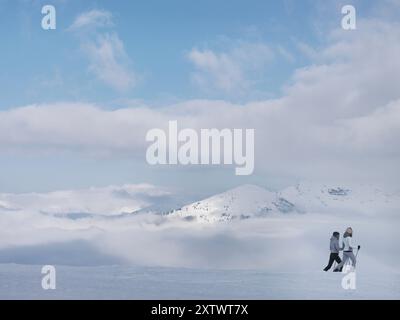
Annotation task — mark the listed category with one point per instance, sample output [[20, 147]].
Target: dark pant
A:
[[333, 257]]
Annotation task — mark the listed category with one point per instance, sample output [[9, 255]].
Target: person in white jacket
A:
[[348, 247]]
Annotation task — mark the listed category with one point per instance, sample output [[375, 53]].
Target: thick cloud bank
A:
[[338, 117], [275, 242]]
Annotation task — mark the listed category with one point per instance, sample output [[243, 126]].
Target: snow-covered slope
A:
[[249, 201], [361, 199], [239, 203], [130, 282]]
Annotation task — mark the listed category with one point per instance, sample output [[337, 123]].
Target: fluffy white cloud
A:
[[92, 18], [75, 126], [108, 60], [231, 70], [110, 200]]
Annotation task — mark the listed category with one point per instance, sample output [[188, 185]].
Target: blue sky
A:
[[44, 66], [155, 55]]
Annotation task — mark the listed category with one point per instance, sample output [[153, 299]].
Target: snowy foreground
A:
[[117, 282]]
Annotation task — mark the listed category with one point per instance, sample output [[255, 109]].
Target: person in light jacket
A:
[[335, 248], [348, 248]]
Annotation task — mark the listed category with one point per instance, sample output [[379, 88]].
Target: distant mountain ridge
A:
[[250, 201], [243, 202], [365, 199]]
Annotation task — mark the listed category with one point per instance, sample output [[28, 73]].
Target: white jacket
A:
[[348, 244]]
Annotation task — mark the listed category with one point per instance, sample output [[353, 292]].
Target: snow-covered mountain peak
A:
[[249, 201], [242, 202]]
